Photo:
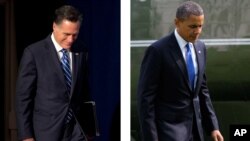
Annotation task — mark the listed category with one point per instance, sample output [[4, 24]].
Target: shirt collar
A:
[[57, 46], [182, 43]]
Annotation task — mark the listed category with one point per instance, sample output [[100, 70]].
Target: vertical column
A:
[[10, 72]]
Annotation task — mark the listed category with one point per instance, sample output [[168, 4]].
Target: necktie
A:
[[190, 66], [68, 79]]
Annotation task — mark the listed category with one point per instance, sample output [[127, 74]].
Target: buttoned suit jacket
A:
[[167, 106], [42, 100]]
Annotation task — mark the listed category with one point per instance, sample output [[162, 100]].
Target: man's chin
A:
[[193, 40], [67, 47]]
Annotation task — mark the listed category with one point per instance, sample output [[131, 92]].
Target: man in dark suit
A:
[[48, 100], [173, 102]]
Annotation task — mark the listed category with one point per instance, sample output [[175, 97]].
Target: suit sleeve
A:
[[25, 91], [209, 118], [147, 91]]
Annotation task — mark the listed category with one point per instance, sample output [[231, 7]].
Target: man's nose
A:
[[70, 38], [198, 30]]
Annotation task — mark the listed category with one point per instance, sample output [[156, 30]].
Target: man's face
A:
[[190, 28], [66, 33]]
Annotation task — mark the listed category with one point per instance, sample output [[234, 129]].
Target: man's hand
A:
[[29, 139], [216, 136]]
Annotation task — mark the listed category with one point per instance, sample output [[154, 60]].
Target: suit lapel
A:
[[178, 57], [55, 59], [75, 69], [200, 65], [58, 68]]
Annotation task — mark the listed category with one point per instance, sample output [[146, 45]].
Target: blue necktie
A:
[[190, 66], [68, 79]]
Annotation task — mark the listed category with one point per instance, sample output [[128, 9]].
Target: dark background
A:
[[100, 32], [2, 58]]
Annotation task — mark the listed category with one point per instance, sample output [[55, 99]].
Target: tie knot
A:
[[188, 47], [64, 51]]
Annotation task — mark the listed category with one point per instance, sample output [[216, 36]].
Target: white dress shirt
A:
[[182, 43], [59, 52]]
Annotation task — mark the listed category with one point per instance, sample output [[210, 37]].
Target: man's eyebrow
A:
[[194, 26]]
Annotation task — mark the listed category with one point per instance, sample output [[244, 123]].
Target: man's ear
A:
[[54, 26], [176, 22]]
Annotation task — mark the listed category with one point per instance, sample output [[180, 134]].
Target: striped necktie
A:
[[68, 79], [190, 66]]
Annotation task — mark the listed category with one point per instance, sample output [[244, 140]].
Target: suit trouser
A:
[[73, 132], [195, 133]]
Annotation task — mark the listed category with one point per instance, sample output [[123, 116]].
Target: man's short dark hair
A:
[[188, 8], [67, 12]]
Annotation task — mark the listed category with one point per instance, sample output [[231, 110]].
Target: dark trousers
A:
[[195, 133], [73, 132]]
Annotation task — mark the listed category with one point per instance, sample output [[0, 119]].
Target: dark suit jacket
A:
[[41, 93], [166, 104]]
